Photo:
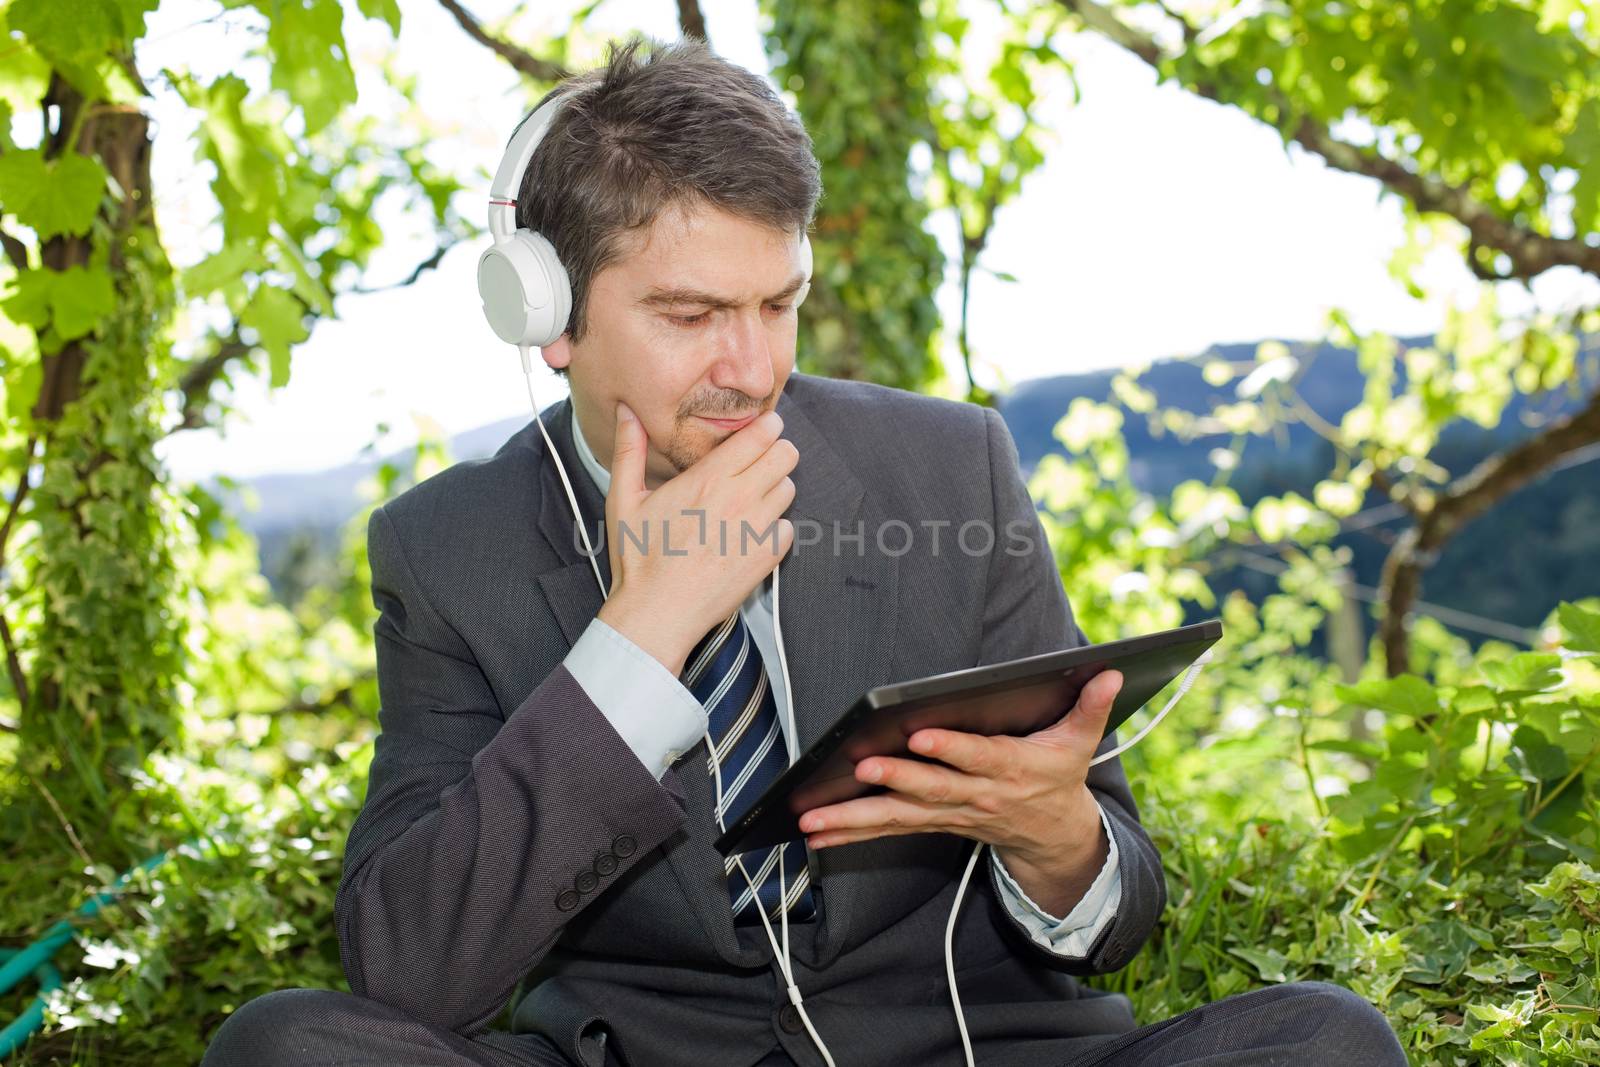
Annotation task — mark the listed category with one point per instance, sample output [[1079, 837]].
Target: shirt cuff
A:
[[652, 711], [1076, 932]]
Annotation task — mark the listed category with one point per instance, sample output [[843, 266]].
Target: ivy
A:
[[858, 75]]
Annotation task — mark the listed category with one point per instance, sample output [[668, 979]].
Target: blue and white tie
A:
[[726, 675]]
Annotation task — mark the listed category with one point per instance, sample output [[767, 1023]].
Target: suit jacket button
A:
[[604, 863], [567, 900], [586, 881], [624, 846], [789, 1019]]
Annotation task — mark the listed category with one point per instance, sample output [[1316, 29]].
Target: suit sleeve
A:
[[482, 833], [1026, 613]]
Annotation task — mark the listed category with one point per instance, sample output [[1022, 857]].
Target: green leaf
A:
[[24, 390], [249, 156], [306, 286], [1405, 695], [387, 10], [24, 75], [72, 300], [1369, 750], [1271, 964], [309, 59], [80, 29], [217, 270], [1440, 950], [277, 318], [1582, 626], [1528, 671], [54, 196], [1544, 760]]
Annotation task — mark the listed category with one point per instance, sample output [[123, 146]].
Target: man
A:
[[540, 809]]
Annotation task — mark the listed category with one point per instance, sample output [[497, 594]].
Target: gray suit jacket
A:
[[509, 833]]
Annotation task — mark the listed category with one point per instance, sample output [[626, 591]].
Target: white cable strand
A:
[[1183, 687], [572, 498], [784, 964], [972, 861], [950, 952], [780, 951]]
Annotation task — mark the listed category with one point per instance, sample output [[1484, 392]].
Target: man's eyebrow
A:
[[669, 296]]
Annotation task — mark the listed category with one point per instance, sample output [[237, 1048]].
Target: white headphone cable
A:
[[785, 965], [972, 860], [781, 952], [572, 498]]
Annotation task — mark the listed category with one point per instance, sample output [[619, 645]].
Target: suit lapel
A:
[[837, 609]]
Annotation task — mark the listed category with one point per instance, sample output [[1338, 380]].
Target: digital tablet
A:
[[1017, 697]]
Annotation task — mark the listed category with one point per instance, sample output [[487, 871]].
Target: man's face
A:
[[695, 324]]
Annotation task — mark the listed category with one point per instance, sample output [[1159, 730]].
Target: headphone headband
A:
[[506, 187]]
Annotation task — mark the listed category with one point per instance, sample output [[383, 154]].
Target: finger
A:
[[851, 837], [1085, 724], [920, 781], [882, 811], [986, 757], [628, 447], [772, 465], [744, 446], [779, 497]]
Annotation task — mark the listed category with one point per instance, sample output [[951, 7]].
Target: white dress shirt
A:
[[660, 719]]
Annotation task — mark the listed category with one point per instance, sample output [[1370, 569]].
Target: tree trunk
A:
[[105, 649]]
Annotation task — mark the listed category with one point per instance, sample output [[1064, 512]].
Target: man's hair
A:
[[673, 125]]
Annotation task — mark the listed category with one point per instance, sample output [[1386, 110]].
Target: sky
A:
[[1159, 225]]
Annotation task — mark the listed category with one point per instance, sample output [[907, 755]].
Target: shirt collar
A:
[[600, 476]]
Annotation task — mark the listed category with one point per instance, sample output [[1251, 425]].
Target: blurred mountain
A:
[[299, 517]]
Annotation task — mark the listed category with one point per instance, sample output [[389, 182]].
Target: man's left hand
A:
[[1026, 797]]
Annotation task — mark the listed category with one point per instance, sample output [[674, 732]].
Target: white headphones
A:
[[526, 294]]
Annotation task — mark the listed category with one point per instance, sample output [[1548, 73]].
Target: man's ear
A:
[[557, 354]]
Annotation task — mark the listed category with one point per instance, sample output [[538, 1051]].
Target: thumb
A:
[[1085, 723], [627, 458], [1094, 706]]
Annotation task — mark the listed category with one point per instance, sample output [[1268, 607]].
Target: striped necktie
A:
[[725, 674]]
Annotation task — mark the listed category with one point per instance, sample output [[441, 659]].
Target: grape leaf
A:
[[309, 58], [277, 317], [54, 196]]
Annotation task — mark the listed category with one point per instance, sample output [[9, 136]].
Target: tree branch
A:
[[1530, 253], [339, 698], [1458, 504], [691, 21], [525, 62], [201, 374], [431, 263], [15, 250], [19, 680]]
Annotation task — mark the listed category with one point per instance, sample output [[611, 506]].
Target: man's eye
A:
[[779, 309], [689, 320]]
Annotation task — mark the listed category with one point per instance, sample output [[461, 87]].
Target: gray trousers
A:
[[1306, 1024]]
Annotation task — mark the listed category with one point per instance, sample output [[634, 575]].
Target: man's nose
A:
[[745, 360]]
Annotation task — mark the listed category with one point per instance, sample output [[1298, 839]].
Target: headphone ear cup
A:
[[526, 294], [807, 265]]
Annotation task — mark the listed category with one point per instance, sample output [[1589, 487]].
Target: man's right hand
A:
[[694, 547]]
